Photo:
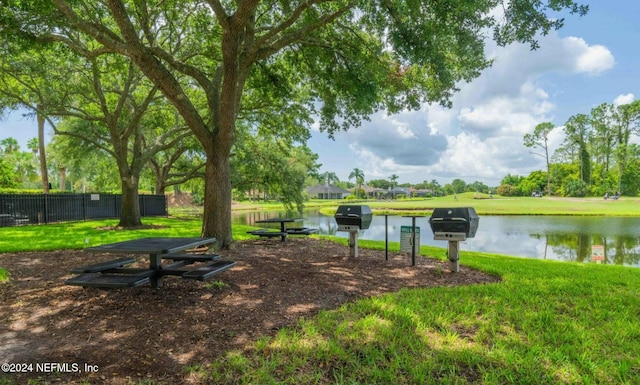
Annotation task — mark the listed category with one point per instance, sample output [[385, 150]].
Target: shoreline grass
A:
[[546, 322]]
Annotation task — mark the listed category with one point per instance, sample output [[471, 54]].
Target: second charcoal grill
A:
[[353, 218]]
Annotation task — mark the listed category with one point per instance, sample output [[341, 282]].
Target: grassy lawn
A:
[[546, 322], [625, 206], [77, 235]]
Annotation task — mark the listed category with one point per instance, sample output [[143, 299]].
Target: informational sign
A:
[[597, 253], [407, 239], [95, 197]]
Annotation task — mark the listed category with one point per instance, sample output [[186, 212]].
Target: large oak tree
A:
[[340, 60]]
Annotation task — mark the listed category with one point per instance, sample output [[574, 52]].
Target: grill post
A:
[[454, 256], [353, 244]]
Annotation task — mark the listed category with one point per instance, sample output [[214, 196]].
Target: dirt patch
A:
[[180, 199], [143, 333]]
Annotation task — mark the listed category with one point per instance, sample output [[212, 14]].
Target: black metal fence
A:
[[25, 209]]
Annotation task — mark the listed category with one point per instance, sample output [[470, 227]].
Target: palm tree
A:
[[9, 146], [25, 167], [359, 176], [434, 186], [33, 145], [329, 177], [393, 179]]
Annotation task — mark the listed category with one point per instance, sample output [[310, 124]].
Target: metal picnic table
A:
[[114, 274], [284, 231]]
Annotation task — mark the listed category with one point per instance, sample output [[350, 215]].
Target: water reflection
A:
[[564, 238]]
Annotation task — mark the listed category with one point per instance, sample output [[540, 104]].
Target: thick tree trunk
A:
[[130, 208], [160, 189], [217, 200], [43, 157], [217, 192], [161, 176], [63, 178]]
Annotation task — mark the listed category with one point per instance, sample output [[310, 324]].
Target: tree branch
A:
[[276, 39]]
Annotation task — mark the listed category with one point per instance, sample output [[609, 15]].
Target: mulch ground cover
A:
[[123, 336]]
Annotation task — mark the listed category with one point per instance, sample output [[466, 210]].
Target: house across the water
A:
[[327, 191]]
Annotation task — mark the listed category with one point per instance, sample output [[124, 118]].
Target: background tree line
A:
[[599, 155]]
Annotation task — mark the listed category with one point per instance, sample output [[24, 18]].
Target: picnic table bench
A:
[[103, 280], [191, 258], [301, 230], [266, 233], [102, 266], [205, 272]]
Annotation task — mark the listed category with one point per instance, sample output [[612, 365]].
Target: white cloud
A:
[[623, 99], [470, 158], [404, 132], [507, 116], [555, 139], [405, 139], [593, 60], [375, 167]]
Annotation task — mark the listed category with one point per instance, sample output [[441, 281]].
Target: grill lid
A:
[[455, 220], [354, 215]]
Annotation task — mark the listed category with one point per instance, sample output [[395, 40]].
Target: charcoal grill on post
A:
[[454, 225], [353, 218]]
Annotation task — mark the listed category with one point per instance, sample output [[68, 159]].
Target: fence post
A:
[[166, 204], [84, 207], [46, 208]]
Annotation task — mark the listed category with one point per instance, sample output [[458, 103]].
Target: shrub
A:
[[507, 190], [575, 188]]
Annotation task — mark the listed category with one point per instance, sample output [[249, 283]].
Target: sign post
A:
[[407, 239], [410, 239]]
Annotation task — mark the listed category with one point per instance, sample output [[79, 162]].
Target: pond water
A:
[[564, 238]]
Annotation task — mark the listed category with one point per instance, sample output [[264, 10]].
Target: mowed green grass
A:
[[546, 322], [77, 235], [496, 205]]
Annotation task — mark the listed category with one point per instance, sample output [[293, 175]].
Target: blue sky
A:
[[592, 60]]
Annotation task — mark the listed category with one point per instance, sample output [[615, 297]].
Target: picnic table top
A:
[[280, 220], [154, 245]]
